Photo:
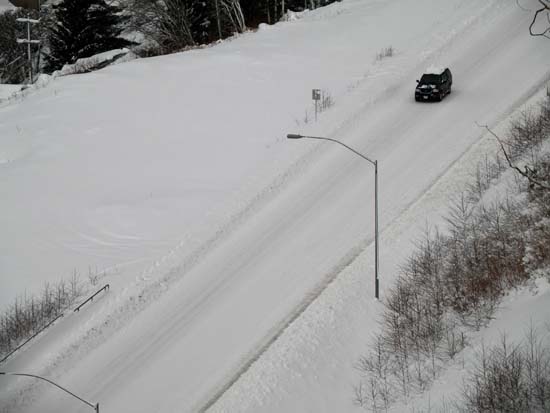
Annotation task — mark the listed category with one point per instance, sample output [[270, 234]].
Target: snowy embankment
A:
[[8, 91], [172, 178], [6, 5]]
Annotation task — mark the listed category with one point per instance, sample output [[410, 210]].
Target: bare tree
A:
[[510, 378], [233, 12], [171, 24], [529, 173]]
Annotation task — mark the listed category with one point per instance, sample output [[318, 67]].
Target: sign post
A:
[[316, 96]]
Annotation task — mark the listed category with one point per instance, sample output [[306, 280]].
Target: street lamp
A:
[[95, 407], [375, 163]]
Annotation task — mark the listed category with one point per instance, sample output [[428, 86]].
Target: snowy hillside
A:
[[5, 5], [171, 179]]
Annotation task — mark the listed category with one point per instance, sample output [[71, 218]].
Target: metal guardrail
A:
[[91, 298], [30, 338]]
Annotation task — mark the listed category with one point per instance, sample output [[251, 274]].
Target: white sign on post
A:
[[316, 96]]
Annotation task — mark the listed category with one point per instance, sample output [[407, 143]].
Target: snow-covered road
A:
[[239, 292]]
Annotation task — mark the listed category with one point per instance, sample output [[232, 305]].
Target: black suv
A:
[[434, 84]]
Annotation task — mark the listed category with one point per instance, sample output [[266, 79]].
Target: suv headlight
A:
[[436, 90]]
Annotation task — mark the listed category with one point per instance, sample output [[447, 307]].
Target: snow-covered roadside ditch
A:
[[310, 367]]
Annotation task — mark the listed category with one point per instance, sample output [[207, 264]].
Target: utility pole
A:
[[29, 42], [29, 5]]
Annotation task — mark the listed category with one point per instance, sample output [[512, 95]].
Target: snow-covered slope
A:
[[173, 177], [5, 5]]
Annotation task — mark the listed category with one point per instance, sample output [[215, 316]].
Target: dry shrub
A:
[[454, 282]]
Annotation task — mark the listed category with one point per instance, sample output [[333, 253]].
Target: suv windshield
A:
[[430, 79]]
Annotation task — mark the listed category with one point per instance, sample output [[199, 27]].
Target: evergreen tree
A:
[[83, 28]]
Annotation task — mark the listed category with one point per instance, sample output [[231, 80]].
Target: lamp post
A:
[[95, 407], [375, 163]]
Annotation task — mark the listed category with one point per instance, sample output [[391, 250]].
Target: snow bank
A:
[[94, 62], [7, 91]]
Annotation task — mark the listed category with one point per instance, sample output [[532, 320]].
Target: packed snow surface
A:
[[171, 179], [7, 91], [434, 70]]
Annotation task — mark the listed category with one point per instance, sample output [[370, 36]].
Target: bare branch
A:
[[545, 8], [528, 173]]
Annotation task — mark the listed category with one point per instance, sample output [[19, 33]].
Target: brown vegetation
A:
[[454, 281]]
